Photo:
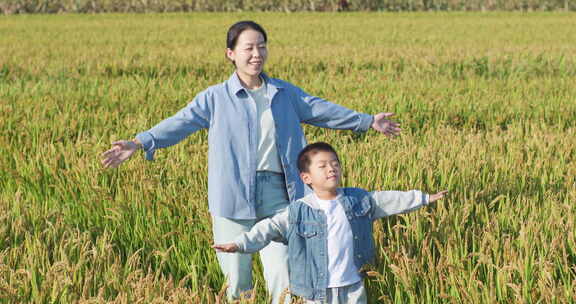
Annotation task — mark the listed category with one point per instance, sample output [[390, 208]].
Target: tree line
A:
[[144, 6]]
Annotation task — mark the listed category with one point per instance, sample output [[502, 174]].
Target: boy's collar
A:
[[337, 197], [312, 200]]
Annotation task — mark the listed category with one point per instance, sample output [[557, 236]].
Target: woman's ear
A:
[[230, 54]]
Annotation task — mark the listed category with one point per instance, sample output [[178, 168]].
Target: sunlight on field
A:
[[487, 103]]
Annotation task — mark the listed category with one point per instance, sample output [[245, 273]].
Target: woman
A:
[[254, 139]]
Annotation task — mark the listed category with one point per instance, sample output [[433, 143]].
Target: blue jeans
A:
[[271, 198]]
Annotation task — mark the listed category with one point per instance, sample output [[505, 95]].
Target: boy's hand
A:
[[437, 196], [226, 247]]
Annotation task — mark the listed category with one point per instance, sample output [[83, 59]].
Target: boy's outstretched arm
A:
[[388, 203], [271, 229]]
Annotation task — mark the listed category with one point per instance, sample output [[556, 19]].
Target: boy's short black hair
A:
[[311, 149]]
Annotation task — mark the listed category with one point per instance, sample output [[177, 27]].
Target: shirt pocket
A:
[[362, 208], [307, 230]]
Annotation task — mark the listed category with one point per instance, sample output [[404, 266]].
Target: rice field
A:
[[487, 102]]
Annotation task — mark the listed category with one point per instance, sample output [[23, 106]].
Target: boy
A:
[[328, 232]]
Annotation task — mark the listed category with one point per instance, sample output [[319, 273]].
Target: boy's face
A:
[[323, 173]]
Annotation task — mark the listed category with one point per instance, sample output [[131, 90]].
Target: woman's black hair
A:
[[237, 28]]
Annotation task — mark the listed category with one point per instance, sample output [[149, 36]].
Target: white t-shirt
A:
[[341, 268], [268, 159]]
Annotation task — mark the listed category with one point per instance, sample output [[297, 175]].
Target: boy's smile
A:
[[323, 174]]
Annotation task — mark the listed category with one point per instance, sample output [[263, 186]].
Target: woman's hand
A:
[[121, 151], [434, 197], [226, 247], [384, 126]]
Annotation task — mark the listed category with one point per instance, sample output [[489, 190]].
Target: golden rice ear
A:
[[252, 293], [285, 293], [220, 298], [373, 273]]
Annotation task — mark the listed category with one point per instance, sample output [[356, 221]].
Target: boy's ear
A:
[[306, 178]]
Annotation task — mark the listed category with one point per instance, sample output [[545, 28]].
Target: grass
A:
[[486, 102]]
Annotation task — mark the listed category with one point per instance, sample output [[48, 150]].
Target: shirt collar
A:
[[236, 85], [311, 200], [330, 200]]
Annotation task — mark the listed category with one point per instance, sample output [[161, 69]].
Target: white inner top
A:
[[341, 268], [268, 159]]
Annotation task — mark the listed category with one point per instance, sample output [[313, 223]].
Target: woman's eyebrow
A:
[[250, 43]]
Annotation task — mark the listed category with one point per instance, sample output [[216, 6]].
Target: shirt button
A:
[[355, 237], [359, 256]]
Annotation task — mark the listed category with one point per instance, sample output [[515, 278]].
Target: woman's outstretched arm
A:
[[322, 113], [195, 116]]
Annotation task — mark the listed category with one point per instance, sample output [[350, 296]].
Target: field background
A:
[[486, 100]]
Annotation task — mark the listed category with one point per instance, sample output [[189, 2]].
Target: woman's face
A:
[[249, 54]]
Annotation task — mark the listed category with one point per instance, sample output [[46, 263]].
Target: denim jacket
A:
[[303, 228], [229, 114]]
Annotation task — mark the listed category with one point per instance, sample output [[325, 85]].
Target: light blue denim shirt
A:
[[303, 227], [229, 114]]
